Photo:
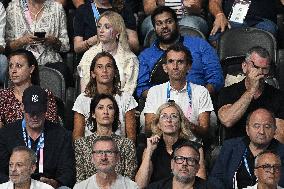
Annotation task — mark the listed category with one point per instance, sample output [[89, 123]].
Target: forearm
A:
[[81, 46], [202, 169], [144, 173], [148, 122], [16, 44], [215, 7], [130, 125], [230, 114]]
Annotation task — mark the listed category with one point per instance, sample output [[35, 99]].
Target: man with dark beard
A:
[[234, 167], [236, 101], [185, 166], [206, 69], [105, 158]]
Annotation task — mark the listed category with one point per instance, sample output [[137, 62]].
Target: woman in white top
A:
[[104, 78], [112, 38]]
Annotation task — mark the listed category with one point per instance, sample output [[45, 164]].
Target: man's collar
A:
[[182, 90]]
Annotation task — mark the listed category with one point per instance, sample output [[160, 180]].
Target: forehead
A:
[[105, 101], [268, 158], [259, 60], [175, 55], [261, 116], [170, 109], [19, 156], [103, 145], [163, 16], [104, 60], [104, 20], [18, 59], [186, 151]]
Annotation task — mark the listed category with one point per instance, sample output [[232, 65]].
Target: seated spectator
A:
[[206, 69], [169, 130], [22, 165], [105, 156], [23, 73], [113, 39], [184, 166], [40, 27], [193, 99], [85, 32], [234, 167], [3, 59], [189, 13], [104, 78], [105, 117], [232, 14], [236, 101], [51, 142], [267, 171]]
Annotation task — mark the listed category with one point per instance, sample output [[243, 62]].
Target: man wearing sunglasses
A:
[[235, 167], [236, 101], [267, 171], [184, 165], [105, 158]]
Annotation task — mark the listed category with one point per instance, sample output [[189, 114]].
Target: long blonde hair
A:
[[118, 25], [184, 131]]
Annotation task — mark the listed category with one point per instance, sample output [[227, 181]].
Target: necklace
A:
[[36, 14]]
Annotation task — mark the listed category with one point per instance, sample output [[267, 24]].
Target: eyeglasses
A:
[[104, 152], [264, 70], [268, 167], [172, 117], [168, 21], [265, 126], [189, 160]]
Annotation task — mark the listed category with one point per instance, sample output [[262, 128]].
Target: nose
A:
[[106, 112], [175, 65], [12, 168], [261, 130]]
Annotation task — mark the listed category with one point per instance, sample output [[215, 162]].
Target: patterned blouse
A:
[[10, 107], [83, 155], [52, 21]]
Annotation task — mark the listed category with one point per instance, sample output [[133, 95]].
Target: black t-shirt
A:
[[168, 184], [258, 9], [271, 99], [85, 22]]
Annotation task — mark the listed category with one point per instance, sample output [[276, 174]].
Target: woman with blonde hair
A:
[[112, 38], [169, 130]]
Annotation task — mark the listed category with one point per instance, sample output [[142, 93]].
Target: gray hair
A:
[[262, 52], [256, 161], [106, 139], [268, 111], [30, 152]]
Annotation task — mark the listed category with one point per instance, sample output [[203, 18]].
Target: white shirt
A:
[[255, 187], [120, 183], [125, 102], [34, 185], [200, 97]]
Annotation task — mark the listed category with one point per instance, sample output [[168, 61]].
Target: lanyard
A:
[[188, 89], [246, 162], [40, 145], [95, 11]]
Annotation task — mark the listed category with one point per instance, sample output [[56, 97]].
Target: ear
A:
[[165, 68], [93, 75], [32, 69], [244, 67], [33, 168], [172, 164], [94, 115]]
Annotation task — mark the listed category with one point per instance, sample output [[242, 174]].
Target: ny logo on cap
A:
[[35, 98]]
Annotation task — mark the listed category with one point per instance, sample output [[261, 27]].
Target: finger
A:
[[214, 30], [229, 25]]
